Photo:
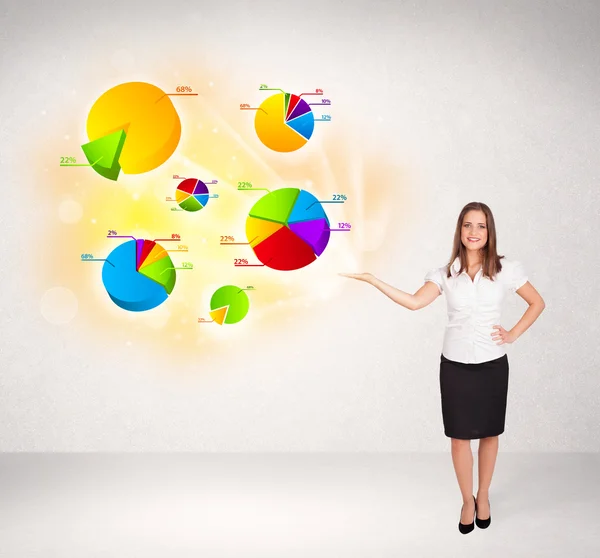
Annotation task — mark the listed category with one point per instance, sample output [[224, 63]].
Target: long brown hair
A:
[[490, 259]]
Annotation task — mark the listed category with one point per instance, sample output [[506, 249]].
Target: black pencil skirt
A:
[[473, 397]]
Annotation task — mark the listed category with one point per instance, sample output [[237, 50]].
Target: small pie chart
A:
[[287, 229], [132, 127], [138, 275], [229, 305], [192, 194], [284, 122]]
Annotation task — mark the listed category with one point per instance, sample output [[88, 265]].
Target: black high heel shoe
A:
[[483, 523], [466, 528]]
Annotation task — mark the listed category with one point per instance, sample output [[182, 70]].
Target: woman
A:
[[473, 363]]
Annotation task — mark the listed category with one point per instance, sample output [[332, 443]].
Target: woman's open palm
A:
[[359, 276]]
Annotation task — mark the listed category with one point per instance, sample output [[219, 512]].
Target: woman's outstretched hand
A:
[[399, 297], [367, 277]]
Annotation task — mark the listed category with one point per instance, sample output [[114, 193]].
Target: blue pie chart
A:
[[138, 275]]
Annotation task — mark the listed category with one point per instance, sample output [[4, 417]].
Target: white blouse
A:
[[474, 307]]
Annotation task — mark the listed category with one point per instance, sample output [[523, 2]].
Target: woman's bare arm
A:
[[423, 297], [536, 306]]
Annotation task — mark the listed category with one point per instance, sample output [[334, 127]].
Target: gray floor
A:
[[291, 505]]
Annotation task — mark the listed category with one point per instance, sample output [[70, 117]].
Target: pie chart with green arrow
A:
[[133, 128]]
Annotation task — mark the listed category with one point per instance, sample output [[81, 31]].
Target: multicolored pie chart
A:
[[132, 127], [284, 122], [287, 229], [192, 194], [229, 305], [138, 275]]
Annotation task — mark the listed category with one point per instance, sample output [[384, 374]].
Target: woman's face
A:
[[474, 227]]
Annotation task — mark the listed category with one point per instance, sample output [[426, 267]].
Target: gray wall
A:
[[434, 104]]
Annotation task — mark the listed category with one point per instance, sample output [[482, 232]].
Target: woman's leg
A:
[[462, 458], [488, 450]]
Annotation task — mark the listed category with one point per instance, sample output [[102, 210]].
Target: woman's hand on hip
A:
[[502, 335]]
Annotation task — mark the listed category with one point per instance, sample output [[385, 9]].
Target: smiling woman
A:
[[473, 363], [475, 233]]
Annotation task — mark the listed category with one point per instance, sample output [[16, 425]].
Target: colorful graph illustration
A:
[[229, 305], [287, 229], [192, 194], [284, 122], [132, 127], [138, 275]]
